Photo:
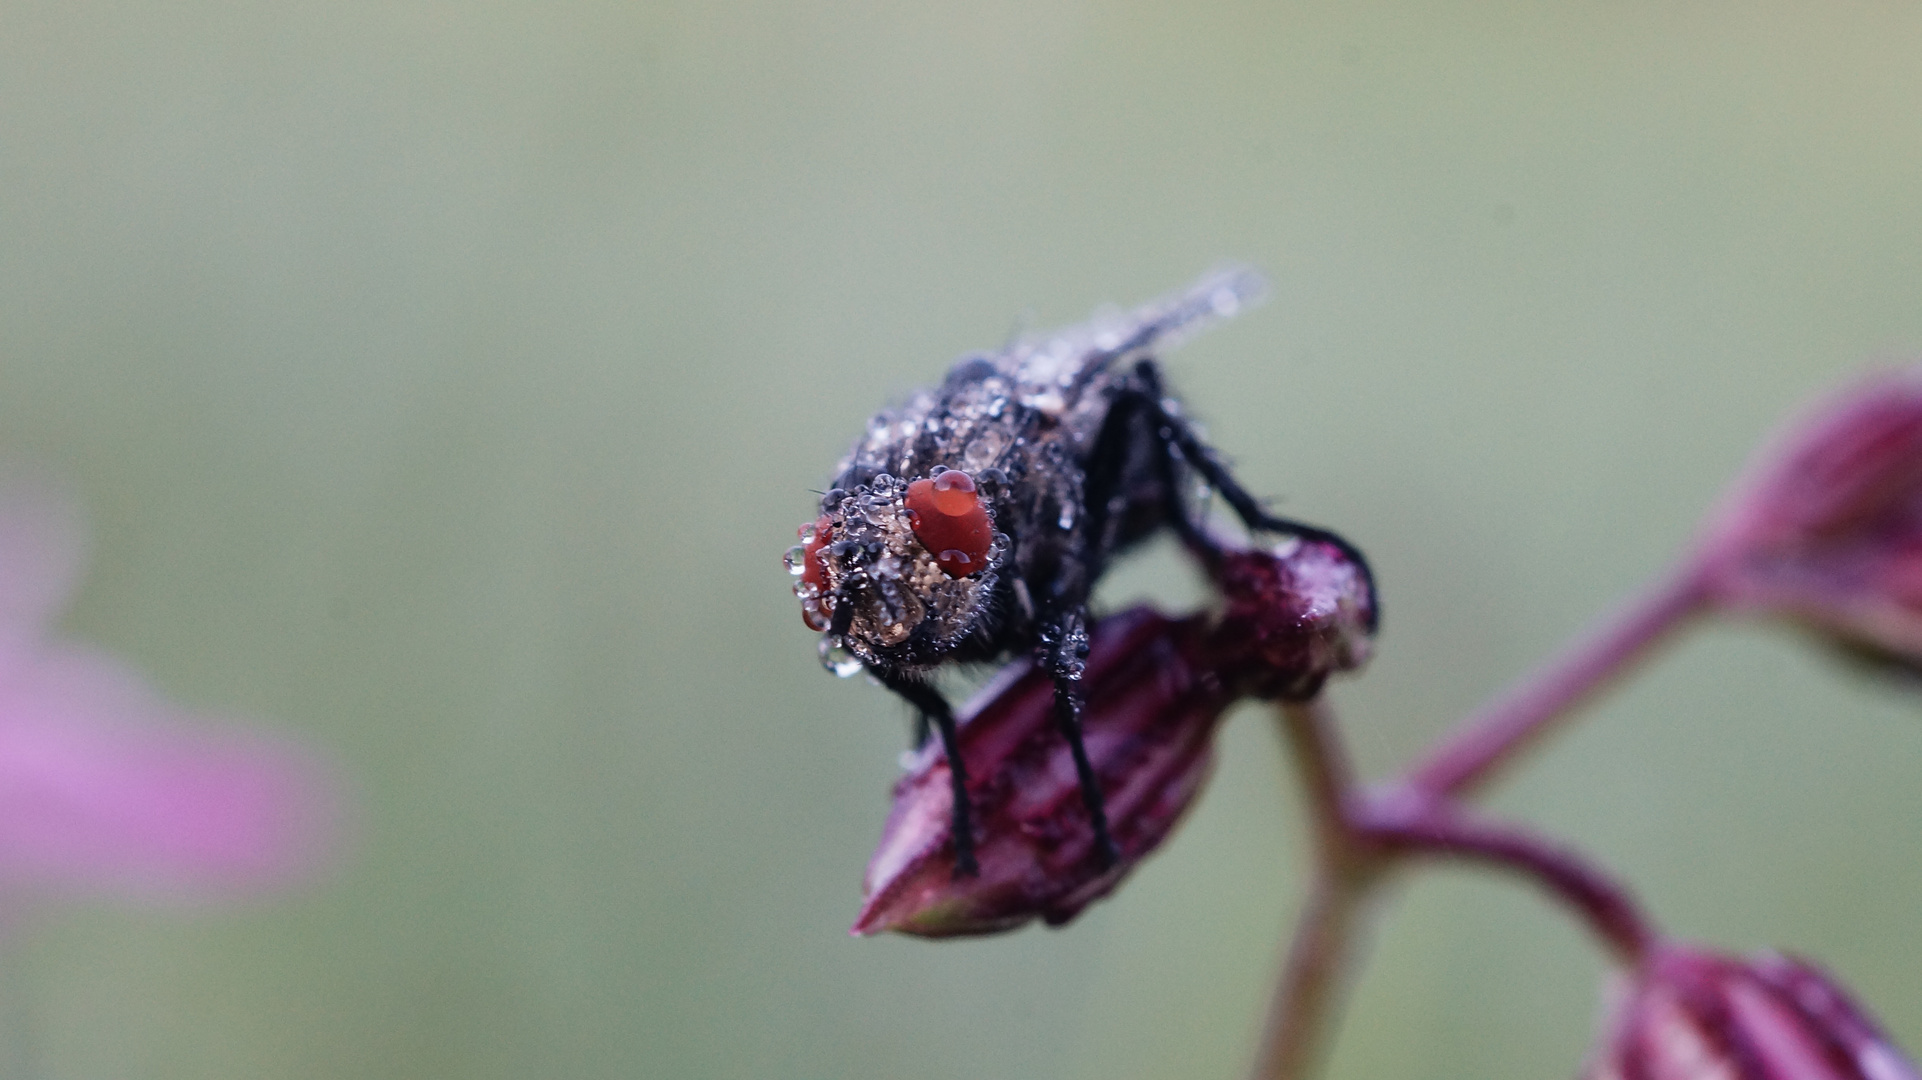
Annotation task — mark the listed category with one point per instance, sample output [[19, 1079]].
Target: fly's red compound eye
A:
[[823, 533], [950, 521], [813, 538]]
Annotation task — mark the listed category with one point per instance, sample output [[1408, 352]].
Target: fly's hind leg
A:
[[1179, 436]]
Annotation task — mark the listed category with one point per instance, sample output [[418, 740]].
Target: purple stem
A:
[[1309, 995], [1441, 831], [1327, 779], [1309, 992], [1513, 721], [1358, 839]]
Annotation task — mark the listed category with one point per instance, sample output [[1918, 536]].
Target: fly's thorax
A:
[[904, 569], [968, 422]]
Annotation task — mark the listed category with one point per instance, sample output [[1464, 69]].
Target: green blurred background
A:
[[444, 381]]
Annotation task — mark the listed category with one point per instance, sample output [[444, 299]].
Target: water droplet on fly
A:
[[984, 450], [1066, 520], [836, 658], [796, 559]]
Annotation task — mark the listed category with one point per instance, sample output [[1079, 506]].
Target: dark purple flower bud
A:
[[1293, 615], [1691, 1015], [1826, 528], [1148, 722], [1153, 689]]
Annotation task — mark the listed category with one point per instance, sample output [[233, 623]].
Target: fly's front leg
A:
[[934, 708], [1180, 437], [1064, 648]]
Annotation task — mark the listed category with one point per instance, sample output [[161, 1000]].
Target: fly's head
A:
[[896, 573]]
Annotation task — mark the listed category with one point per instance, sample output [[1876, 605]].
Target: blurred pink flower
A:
[[1691, 1014], [1826, 526], [103, 783]]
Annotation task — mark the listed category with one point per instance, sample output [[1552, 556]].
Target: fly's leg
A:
[[838, 628], [1064, 648], [1180, 437], [1110, 484], [934, 708], [1113, 477], [1137, 412]]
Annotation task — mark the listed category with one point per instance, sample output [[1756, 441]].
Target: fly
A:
[[971, 523]]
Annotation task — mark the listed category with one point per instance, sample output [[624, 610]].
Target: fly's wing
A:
[[989, 403], [1051, 372], [1173, 319]]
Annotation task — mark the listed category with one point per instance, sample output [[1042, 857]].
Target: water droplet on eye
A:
[[813, 611], [949, 480], [836, 658], [796, 557]]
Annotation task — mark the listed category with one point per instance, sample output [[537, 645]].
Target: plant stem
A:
[[1511, 722], [1301, 1014], [1441, 831], [1327, 779], [1356, 841], [1308, 995]]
